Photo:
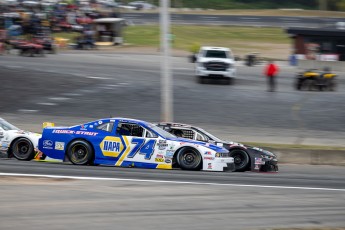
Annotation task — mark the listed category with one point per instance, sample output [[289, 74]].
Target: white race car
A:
[[20, 144]]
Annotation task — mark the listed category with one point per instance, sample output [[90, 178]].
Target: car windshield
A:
[[215, 54], [7, 126], [161, 131], [212, 137]]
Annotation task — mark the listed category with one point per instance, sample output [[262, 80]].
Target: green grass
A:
[[187, 35]]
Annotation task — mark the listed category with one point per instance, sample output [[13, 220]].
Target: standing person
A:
[[271, 72]]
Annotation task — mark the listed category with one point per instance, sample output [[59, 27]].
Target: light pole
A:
[[166, 77]]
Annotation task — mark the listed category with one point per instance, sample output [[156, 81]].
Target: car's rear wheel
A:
[[241, 160], [23, 149], [189, 159], [80, 152]]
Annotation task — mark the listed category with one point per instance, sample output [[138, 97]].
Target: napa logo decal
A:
[[112, 146]]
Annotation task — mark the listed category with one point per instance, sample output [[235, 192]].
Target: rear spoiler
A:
[[48, 124]]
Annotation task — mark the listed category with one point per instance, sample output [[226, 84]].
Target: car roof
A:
[[174, 125], [124, 119]]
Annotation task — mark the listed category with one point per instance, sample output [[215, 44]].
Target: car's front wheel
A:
[[189, 159], [23, 149], [80, 152], [241, 160]]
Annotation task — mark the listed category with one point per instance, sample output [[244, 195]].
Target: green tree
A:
[[341, 5]]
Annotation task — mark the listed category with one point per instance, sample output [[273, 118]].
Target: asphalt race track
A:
[[76, 87], [131, 198], [70, 88]]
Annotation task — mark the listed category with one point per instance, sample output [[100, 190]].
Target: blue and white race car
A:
[[131, 143]]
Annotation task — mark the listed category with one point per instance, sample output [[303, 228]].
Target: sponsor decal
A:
[[160, 156], [259, 161], [63, 131], [209, 166], [208, 158], [60, 146], [112, 146], [220, 144], [84, 127], [162, 144], [91, 126], [169, 154], [86, 133], [159, 160], [48, 144], [256, 167], [168, 161], [208, 153]]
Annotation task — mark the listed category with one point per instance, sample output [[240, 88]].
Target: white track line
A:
[[27, 110], [47, 103], [169, 182]]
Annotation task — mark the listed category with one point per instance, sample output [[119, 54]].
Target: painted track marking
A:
[[170, 182]]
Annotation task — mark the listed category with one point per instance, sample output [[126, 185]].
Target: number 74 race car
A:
[[131, 143], [246, 157]]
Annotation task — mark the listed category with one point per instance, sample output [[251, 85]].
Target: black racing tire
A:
[[241, 160], [80, 152], [189, 159], [23, 149]]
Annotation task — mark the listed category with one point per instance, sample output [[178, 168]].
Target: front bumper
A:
[[265, 165], [219, 164], [229, 73]]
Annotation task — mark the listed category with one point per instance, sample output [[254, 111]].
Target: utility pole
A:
[[166, 77]]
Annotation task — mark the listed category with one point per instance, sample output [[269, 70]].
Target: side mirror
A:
[[1, 134]]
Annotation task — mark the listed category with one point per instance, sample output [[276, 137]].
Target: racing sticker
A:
[[162, 144], [60, 146], [112, 146], [259, 161], [159, 159], [48, 144]]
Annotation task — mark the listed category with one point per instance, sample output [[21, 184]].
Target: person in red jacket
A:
[[271, 72]]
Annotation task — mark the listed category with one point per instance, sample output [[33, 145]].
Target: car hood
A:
[[219, 149], [231, 144]]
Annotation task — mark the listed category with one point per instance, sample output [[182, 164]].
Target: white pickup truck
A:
[[215, 63]]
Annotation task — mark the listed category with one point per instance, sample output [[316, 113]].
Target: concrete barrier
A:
[[338, 66], [308, 156]]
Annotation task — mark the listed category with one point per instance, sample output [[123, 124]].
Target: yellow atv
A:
[[313, 79]]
